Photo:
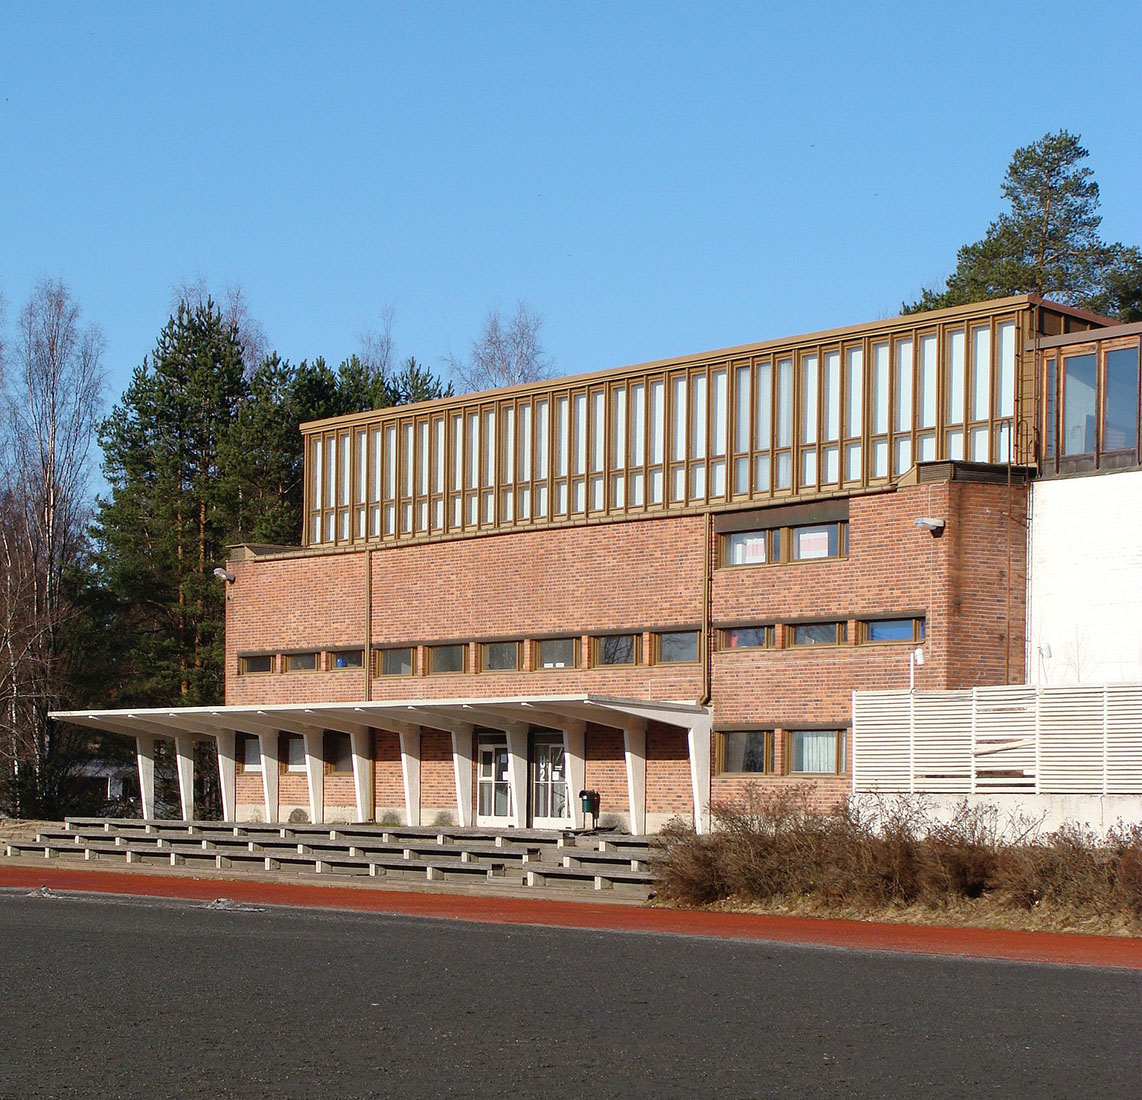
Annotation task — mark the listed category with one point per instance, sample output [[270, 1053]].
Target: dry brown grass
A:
[[896, 861]]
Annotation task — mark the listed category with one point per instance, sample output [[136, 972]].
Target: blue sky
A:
[[653, 178]]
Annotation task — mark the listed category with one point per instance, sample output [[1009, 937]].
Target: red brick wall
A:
[[606, 770], [437, 773], [388, 778], [667, 771]]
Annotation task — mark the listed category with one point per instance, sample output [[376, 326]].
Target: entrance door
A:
[[549, 806], [493, 790]]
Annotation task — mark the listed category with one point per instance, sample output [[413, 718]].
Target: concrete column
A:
[[315, 773], [362, 745], [575, 750], [517, 772], [227, 773], [698, 743], [184, 759], [634, 744], [268, 744], [410, 772], [145, 756], [462, 767]]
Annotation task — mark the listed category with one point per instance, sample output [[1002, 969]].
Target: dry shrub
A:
[[774, 846]]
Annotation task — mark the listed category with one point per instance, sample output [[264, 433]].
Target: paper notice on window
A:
[[813, 544]]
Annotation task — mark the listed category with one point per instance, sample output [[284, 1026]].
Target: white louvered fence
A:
[[1085, 739]]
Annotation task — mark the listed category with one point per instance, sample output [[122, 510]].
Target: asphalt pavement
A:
[[128, 997]]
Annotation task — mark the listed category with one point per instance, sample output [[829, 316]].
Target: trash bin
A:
[[590, 803]]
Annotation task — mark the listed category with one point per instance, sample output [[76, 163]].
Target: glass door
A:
[[549, 807], [493, 790]]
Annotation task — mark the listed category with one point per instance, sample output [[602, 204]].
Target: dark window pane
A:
[[678, 647], [396, 662], [745, 751], [1078, 404], [338, 752], [446, 658], [348, 658], [499, 656], [618, 649], [1121, 400], [301, 662], [263, 662]]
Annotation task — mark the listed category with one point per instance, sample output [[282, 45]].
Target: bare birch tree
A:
[[51, 400], [508, 352]]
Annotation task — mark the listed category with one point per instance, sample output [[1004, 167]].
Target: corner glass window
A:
[[557, 653], [301, 662], [499, 656], [396, 662], [823, 540], [347, 658], [817, 752], [1079, 404], [747, 637], [617, 649], [747, 751], [447, 658], [678, 647], [1120, 430]]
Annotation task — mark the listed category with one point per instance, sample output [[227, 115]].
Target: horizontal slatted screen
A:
[[1085, 739], [820, 415]]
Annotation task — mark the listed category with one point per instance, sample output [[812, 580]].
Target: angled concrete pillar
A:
[[268, 744], [315, 773], [517, 771], [227, 772], [462, 768], [575, 757], [410, 772], [184, 760], [634, 745], [145, 756], [698, 743], [361, 742]]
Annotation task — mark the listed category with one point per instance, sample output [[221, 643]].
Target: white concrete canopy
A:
[[513, 715]]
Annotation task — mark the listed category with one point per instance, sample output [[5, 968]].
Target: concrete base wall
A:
[[1046, 811]]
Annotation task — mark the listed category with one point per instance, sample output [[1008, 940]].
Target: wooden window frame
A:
[[243, 667], [768, 633], [242, 740], [840, 751], [327, 757], [288, 657], [333, 654], [379, 663], [656, 641], [841, 626], [919, 630], [598, 641], [769, 753], [537, 664], [284, 739], [789, 540], [517, 667], [465, 661]]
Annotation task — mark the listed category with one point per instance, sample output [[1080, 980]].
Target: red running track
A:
[[980, 943]]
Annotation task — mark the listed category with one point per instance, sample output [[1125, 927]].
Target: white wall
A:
[[1085, 597]]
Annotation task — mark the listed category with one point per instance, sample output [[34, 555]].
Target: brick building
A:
[[660, 582]]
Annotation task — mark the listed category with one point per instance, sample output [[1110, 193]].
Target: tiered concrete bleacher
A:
[[517, 857]]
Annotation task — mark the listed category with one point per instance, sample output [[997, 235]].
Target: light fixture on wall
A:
[[915, 660], [222, 575], [930, 523]]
